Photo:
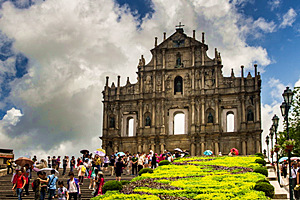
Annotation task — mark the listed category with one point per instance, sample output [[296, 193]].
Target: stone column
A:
[[258, 147], [198, 149], [216, 148], [244, 149], [192, 149], [202, 148], [140, 145], [140, 114], [115, 147], [243, 110]]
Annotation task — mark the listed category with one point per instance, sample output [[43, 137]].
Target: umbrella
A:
[[120, 154], [48, 170], [208, 153], [84, 151], [234, 151], [36, 169], [283, 159], [177, 149], [100, 153], [22, 161], [295, 158], [102, 150]]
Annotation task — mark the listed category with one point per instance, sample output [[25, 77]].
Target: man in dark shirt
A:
[[65, 160], [134, 161]]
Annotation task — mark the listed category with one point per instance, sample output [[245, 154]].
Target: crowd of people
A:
[[90, 167]]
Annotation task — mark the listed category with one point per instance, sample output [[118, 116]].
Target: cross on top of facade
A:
[[180, 25]]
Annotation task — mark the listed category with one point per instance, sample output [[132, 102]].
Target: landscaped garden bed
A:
[[199, 178]]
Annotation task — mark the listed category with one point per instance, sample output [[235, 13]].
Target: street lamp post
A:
[[271, 135], [267, 142], [285, 107], [275, 120]]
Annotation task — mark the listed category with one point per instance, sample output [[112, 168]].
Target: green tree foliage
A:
[[294, 125]]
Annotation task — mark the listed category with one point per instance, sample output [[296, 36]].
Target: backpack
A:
[[83, 169]]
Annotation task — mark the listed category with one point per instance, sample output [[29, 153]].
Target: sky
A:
[[55, 55]]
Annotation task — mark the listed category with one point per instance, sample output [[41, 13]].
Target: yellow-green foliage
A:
[[119, 196]]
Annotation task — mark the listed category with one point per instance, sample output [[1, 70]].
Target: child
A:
[[100, 183], [62, 192]]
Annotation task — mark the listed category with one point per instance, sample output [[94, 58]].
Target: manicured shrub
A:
[[260, 155], [267, 188], [263, 180], [125, 182], [261, 161], [164, 162], [187, 155], [261, 170], [112, 185], [145, 170]]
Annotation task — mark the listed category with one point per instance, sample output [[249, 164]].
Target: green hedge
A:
[[145, 170], [260, 155], [261, 161], [164, 162], [125, 182], [112, 185], [267, 188], [261, 170]]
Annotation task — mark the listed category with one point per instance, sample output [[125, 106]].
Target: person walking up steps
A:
[[20, 184], [51, 181], [73, 187], [81, 171], [62, 192], [65, 162], [72, 164]]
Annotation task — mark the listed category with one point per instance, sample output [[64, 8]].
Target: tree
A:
[[294, 124]]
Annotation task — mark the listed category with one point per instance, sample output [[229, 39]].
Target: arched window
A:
[[178, 85], [130, 127], [179, 124], [230, 122]]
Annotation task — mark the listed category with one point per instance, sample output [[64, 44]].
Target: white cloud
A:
[[288, 18], [12, 116], [274, 4], [297, 84], [73, 44], [267, 27]]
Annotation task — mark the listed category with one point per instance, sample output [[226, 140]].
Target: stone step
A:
[[272, 175], [280, 193]]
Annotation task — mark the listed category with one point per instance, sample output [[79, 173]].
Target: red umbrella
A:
[[234, 151], [22, 161]]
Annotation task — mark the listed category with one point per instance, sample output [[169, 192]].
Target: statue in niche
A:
[[148, 87], [148, 121], [112, 122], [250, 116], [210, 118], [178, 87], [178, 61]]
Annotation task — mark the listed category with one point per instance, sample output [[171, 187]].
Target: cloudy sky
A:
[[55, 55]]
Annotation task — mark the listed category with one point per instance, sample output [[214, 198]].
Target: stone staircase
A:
[[7, 193], [280, 192]]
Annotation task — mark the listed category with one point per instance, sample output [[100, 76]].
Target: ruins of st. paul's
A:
[[217, 113]]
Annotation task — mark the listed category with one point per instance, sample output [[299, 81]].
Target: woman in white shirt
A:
[[62, 192]]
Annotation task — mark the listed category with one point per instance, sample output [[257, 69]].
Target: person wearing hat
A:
[[99, 182]]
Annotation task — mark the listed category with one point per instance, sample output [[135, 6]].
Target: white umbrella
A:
[[100, 153], [177, 149], [48, 171]]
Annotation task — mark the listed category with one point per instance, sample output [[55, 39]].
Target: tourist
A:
[[58, 161], [119, 168], [19, 185], [37, 186], [53, 162], [112, 164], [72, 164], [284, 169], [94, 170], [100, 183], [134, 164], [79, 161], [81, 171], [106, 162], [34, 159], [73, 187], [49, 162], [27, 178], [65, 161], [86, 165], [153, 161], [294, 171], [51, 180], [9, 166], [140, 162], [62, 192], [44, 186]]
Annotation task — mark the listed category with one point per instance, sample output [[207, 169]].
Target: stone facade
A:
[[182, 79]]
